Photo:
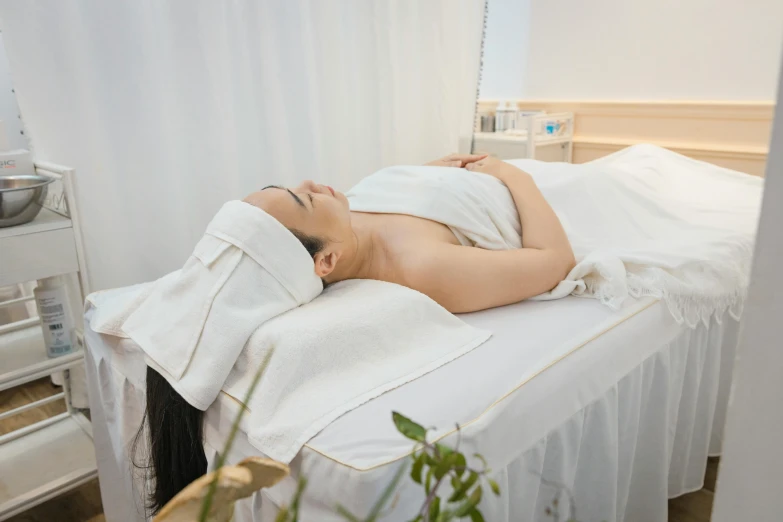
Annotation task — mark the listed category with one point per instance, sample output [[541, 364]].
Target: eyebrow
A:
[[296, 198]]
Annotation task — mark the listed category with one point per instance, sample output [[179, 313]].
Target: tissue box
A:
[[16, 163]]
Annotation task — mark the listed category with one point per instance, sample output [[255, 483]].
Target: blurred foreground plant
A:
[[432, 465]]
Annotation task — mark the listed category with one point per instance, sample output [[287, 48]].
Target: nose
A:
[[312, 186], [307, 186]]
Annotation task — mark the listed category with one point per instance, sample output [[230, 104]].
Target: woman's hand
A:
[[494, 167], [456, 160]]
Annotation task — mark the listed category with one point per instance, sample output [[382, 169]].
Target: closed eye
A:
[[296, 198]]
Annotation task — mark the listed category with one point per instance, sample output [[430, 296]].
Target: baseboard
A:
[[727, 133]]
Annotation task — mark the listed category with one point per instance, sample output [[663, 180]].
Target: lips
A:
[[330, 189]]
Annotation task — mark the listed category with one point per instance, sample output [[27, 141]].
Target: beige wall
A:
[[731, 134], [632, 50]]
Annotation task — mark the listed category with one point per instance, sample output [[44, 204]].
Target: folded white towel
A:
[[359, 339], [193, 323], [209, 326]]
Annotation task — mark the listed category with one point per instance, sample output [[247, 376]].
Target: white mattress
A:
[[546, 364], [481, 390]]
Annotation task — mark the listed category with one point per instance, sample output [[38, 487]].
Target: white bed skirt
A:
[[645, 440]]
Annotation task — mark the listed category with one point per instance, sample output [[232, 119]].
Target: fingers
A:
[[478, 166], [465, 158], [473, 159], [457, 160]]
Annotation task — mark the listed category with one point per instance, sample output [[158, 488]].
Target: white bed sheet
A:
[[618, 406]]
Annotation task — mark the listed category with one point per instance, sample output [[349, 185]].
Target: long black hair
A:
[[175, 429]]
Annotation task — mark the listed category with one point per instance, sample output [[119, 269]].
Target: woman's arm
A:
[[465, 279], [540, 227], [456, 160]]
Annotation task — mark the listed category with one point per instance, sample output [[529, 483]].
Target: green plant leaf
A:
[[206, 504], [445, 516], [466, 507], [494, 486], [347, 515], [462, 492], [481, 458], [444, 450], [300, 487], [435, 508], [476, 516], [386, 495], [428, 481], [456, 483], [459, 466], [282, 515], [430, 460], [445, 465], [409, 428], [418, 466]]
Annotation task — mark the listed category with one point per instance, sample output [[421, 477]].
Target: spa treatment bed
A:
[[613, 407]]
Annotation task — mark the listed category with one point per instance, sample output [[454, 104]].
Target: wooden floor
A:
[[696, 507], [83, 504]]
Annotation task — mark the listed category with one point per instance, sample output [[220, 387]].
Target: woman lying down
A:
[[452, 204], [424, 254], [471, 232]]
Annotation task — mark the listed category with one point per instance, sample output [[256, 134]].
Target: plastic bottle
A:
[[505, 116], [500, 116], [51, 298]]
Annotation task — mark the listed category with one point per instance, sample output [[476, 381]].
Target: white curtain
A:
[[166, 109]]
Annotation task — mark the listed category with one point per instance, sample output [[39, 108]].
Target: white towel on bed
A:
[[644, 221], [359, 339], [193, 323], [210, 325]]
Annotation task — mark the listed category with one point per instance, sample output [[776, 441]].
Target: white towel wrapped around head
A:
[[247, 269]]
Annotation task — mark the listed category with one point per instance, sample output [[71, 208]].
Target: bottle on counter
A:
[[487, 122], [505, 116], [51, 298]]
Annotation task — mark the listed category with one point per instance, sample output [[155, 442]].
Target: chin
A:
[[341, 197]]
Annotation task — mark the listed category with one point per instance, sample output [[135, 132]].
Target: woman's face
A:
[[312, 209]]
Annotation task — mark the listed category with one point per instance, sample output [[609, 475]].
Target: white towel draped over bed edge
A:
[[646, 221]]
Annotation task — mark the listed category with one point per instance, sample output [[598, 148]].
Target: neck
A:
[[364, 258]]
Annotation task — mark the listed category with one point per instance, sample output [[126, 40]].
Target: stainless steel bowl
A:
[[21, 198]]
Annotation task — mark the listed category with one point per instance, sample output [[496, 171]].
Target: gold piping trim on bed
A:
[[491, 406]]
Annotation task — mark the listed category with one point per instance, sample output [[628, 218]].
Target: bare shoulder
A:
[[426, 268], [415, 262]]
